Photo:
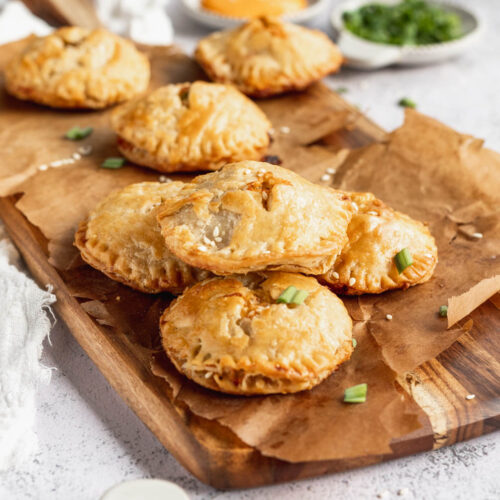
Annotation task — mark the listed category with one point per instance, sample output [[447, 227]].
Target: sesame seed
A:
[[202, 248], [218, 239], [326, 177], [470, 396], [478, 236], [208, 374], [43, 167], [163, 178], [216, 231], [352, 281], [336, 275], [56, 163], [77, 156], [372, 212], [388, 317], [247, 171], [264, 195], [285, 130], [355, 206], [206, 240], [271, 131], [85, 150], [330, 171]]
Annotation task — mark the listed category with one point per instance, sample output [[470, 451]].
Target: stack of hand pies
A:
[[255, 250]]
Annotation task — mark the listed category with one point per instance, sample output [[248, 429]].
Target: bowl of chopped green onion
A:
[[377, 33]]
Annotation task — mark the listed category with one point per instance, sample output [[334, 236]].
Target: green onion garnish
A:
[[342, 90], [292, 296], [299, 297], [443, 311], [354, 343], [77, 133], [356, 394], [113, 163], [403, 259], [406, 102], [287, 295]]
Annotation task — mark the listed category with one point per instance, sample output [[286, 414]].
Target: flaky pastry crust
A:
[[77, 68], [230, 335], [265, 57], [122, 239], [376, 234], [190, 127], [252, 216]]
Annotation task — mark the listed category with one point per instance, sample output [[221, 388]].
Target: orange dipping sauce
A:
[[253, 8]]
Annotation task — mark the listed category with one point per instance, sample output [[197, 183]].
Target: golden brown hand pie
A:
[[230, 335], [252, 216], [122, 239], [189, 127], [78, 68], [376, 234], [266, 57]]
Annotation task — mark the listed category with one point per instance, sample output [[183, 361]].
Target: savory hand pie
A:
[[78, 68], [252, 216], [266, 57], [122, 239], [231, 335], [376, 234], [191, 126]]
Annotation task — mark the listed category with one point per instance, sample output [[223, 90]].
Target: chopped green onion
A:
[[356, 394], [77, 133], [443, 311], [287, 295], [342, 90], [299, 297], [113, 163], [406, 102], [403, 259], [354, 343]]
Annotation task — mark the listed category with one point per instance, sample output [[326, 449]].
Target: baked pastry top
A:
[[191, 126], [77, 68], [376, 234], [230, 334], [266, 56], [252, 216], [122, 239]]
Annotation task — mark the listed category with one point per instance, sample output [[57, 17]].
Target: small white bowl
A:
[[364, 54], [142, 489], [194, 9]]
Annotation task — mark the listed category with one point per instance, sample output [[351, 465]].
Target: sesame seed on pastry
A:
[[122, 239], [230, 335], [265, 56], [190, 127], [252, 216], [376, 234], [77, 68]]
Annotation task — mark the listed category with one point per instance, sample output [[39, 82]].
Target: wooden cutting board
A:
[[218, 457]]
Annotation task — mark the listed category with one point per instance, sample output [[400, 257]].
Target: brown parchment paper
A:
[[424, 169]]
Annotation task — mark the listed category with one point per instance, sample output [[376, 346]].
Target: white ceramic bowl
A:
[[363, 54], [194, 10]]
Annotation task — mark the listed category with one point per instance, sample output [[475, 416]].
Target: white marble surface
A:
[[90, 440]]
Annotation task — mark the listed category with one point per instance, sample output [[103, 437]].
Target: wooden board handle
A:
[[65, 12]]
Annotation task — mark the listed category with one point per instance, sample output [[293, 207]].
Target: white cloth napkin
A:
[[24, 323], [145, 21]]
